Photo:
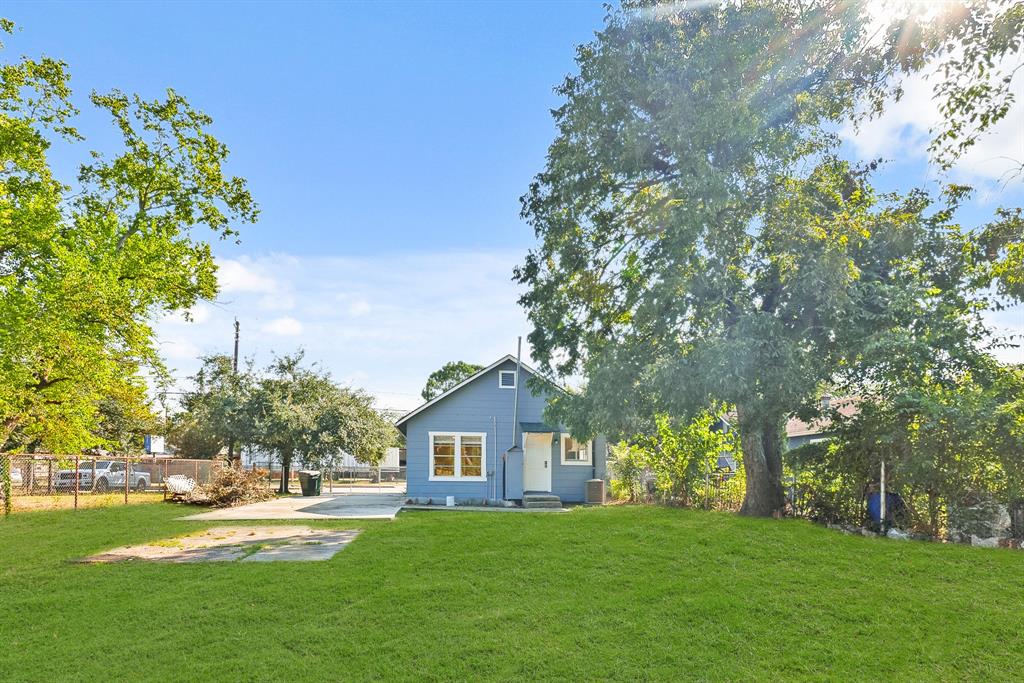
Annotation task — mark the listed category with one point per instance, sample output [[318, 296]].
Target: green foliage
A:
[[299, 412], [701, 242], [447, 376], [944, 442], [682, 457], [215, 409], [191, 437], [680, 460], [84, 269], [967, 47], [125, 418], [627, 467]]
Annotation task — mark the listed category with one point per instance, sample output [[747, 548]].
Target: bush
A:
[[628, 467], [231, 487]]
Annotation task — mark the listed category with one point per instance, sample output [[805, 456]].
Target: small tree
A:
[[215, 412], [449, 375], [297, 412]]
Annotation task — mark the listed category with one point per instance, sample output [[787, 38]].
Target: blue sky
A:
[[387, 144]]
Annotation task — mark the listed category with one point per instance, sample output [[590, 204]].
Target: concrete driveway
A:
[[366, 504]]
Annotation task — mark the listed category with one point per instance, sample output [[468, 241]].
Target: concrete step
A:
[[542, 504], [541, 500], [540, 495]]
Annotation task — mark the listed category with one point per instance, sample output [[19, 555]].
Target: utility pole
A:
[[234, 364], [234, 370]]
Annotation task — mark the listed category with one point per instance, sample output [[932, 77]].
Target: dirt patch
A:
[[238, 543], [64, 501]]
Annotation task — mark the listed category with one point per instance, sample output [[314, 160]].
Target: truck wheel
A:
[[140, 487], [102, 485]]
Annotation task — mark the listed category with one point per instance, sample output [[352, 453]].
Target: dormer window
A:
[[507, 379]]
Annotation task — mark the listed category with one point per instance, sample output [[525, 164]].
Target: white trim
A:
[[416, 411], [501, 375], [589, 446], [458, 457]]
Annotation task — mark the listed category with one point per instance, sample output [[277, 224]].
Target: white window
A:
[[507, 379], [458, 456], [574, 452]]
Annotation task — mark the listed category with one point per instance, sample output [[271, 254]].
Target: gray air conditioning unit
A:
[[594, 492]]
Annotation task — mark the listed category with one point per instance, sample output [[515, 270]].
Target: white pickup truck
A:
[[109, 475]]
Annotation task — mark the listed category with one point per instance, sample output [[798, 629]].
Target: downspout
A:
[[515, 407]]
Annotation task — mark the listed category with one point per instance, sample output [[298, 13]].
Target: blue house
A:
[[462, 444]]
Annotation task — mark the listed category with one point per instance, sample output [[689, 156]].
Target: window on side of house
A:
[[457, 456], [507, 379], [442, 449], [574, 452]]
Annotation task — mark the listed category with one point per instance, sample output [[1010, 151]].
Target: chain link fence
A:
[[342, 478], [70, 481]]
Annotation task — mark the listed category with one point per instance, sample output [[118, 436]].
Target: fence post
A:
[[8, 489], [76, 481], [92, 481], [126, 480]]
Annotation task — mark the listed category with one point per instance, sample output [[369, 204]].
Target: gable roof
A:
[[476, 375]]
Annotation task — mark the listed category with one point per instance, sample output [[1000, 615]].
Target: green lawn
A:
[[613, 593]]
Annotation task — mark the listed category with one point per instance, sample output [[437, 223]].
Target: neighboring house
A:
[[800, 433], [461, 443]]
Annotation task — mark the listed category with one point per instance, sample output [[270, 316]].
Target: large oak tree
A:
[[700, 241]]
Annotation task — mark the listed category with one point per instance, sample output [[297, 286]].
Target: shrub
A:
[[628, 467], [230, 487]]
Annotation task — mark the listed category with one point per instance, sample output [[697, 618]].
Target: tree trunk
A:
[[286, 473], [761, 442]]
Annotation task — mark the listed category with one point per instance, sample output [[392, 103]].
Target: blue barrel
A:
[[893, 504]]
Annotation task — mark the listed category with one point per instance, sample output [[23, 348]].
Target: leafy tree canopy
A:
[[701, 241], [296, 411], [84, 268], [447, 376]]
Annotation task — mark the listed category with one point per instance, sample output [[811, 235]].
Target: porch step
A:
[[533, 501]]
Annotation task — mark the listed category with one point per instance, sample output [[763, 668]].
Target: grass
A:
[[625, 593]]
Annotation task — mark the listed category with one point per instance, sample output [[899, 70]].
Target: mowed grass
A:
[[614, 593]]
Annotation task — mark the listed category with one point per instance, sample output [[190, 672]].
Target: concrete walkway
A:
[[362, 505]]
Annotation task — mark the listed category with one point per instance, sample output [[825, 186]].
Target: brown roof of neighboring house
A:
[[847, 407]]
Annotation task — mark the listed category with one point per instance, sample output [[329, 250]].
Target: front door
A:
[[537, 462]]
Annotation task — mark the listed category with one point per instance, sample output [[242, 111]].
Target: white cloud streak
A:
[[903, 131], [382, 323]]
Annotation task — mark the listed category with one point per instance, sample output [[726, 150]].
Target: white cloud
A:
[[285, 327], [381, 322], [358, 308], [277, 302], [243, 276], [198, 314], [903, 132]]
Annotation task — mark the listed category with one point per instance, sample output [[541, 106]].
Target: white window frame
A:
[[502, 373], [589, 447], [458, 456]]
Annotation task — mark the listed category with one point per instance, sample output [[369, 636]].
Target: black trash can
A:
[[309, 480]]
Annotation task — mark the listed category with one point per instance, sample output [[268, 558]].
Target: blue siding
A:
[[482, 406]]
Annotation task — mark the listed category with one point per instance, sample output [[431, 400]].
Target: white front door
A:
[[537, 462]]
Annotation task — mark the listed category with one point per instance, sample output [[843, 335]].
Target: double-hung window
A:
[[574, 452], [458, 456]]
